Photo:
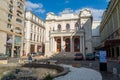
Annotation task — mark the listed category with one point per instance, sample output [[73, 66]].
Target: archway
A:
[[76, 45], [58, 45], [67, 44]]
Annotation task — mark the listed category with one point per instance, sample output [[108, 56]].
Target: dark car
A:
[[78, 56], [3, 56], [90, 56], [97, 55]]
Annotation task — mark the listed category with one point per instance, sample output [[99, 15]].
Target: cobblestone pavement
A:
[[89, 64]]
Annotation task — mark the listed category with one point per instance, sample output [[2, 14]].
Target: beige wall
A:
[[34, 32], [4, 12], [3, 37]]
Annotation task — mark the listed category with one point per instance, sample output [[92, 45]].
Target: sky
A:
[[42, 7]]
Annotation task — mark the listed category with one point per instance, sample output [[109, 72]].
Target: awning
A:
[[108, 43], [113, 42], [10, 41]]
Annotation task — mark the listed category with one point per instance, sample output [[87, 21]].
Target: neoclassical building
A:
[[68, 33], [110, 30], [11, 27], [34, 34], [96, 35]]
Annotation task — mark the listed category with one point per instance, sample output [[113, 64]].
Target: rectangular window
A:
[[34, 37], [19, 20], [17, 40], [31, 36], [9, 16], [9, 26], [10, 7], [20, 5]]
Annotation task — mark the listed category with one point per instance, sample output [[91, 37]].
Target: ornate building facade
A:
[[11, 27], [34, 34], [68, 33], [110, 29]]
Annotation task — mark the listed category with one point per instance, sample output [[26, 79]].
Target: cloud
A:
[[40, 10], [97, 13], [107, 0], [67, 1], [66, 11], [35, 7]]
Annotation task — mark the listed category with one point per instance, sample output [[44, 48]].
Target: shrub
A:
[[48, 77]]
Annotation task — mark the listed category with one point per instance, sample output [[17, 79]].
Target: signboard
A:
[[103, 57]]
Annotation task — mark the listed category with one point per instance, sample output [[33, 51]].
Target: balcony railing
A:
[[67, 31]]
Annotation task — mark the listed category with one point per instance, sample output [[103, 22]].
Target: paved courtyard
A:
[[81, 66], [80, 74]]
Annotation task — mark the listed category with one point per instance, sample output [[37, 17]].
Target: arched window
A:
[[58, 45], [67, 27], [59, 27], [18, 30], [67, 44], [76, 44], [76, 26]]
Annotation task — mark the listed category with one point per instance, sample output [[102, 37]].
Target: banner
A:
[[103, 57]]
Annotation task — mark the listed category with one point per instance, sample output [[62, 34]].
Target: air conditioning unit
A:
[[9, 20], [11, 30], [10, 10]]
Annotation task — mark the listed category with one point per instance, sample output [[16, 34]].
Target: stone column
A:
[[12, 53], [52, 46], [35, 47], [55, 45], [71, 46], [62, 45], [84, 47], [81, 44]]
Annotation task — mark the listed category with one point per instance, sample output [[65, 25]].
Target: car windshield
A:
[[90, 54], [78, 54]]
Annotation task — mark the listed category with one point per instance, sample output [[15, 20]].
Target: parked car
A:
[[33, 54], [90, 56], [3, 56], [78, 56], [97, 55]]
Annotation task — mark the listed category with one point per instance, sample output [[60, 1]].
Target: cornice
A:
[[35, 23]]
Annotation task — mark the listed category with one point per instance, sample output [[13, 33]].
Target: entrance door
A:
[[58, 45], [76, 45], [67, 44], [117, 51], [32, 48], [17, 51]]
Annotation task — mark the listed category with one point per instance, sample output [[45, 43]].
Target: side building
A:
[[96, 35], [68, 34], [34, 34], [110, 30], [11, 27]]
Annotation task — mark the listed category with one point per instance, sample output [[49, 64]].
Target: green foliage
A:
[[48, 77]]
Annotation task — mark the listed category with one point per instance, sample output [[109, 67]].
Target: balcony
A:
[[66, 32]]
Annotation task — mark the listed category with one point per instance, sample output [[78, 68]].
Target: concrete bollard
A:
[[90, 64], [115, 71]]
